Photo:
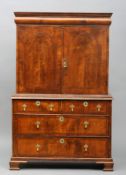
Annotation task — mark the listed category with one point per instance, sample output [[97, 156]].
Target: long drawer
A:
[[62, 106], [72, 125], [62, 147]]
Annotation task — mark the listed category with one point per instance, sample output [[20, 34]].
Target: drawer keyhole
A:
[[62, 141], [38, 103], [61, 119], [85, 104]]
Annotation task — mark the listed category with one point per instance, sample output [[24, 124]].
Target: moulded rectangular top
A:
[[62, 96], [61, 14], [62, 18]]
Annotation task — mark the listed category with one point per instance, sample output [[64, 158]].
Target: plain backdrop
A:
[[117, 74]]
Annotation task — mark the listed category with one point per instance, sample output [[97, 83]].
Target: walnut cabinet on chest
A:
[[62, 109]]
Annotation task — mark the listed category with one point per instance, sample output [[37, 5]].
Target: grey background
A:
[[117, 71]]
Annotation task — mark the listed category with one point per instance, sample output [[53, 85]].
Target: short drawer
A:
[[36, 106], [62, 147], [86, 107], [62, 125]]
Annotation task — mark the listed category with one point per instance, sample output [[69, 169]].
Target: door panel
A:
[[39, 59], [85, 56]]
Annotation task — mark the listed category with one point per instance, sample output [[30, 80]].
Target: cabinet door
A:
[[85, 61], [39, 57]]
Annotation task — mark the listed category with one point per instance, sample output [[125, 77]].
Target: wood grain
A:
[[61, 106], [83, 47], [72, 147], [62, 112], [62, 18], [86, 51], [62, 125], [42, 48]]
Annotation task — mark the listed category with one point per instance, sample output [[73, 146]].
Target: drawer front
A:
[[62, 147], [62, 125], [66, 107], [36, 106], [85, 107]]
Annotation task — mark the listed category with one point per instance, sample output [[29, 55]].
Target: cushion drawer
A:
[[36, 106], [62, 125], [62, 147], [86, 107]]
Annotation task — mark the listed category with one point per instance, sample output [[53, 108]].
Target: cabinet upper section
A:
[[62, 53], [62, 18]]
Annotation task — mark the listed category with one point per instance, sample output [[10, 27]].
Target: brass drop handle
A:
[[65, 64], [62, 141], [61, 118], [72, 107], [37, 123], [24, 107], [37, 147], [99, 107], [85, 147], [51, 106], [38, 103], [85, 104], [86, 124]]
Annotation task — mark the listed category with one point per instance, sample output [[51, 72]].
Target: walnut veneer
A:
[[62, 109]]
